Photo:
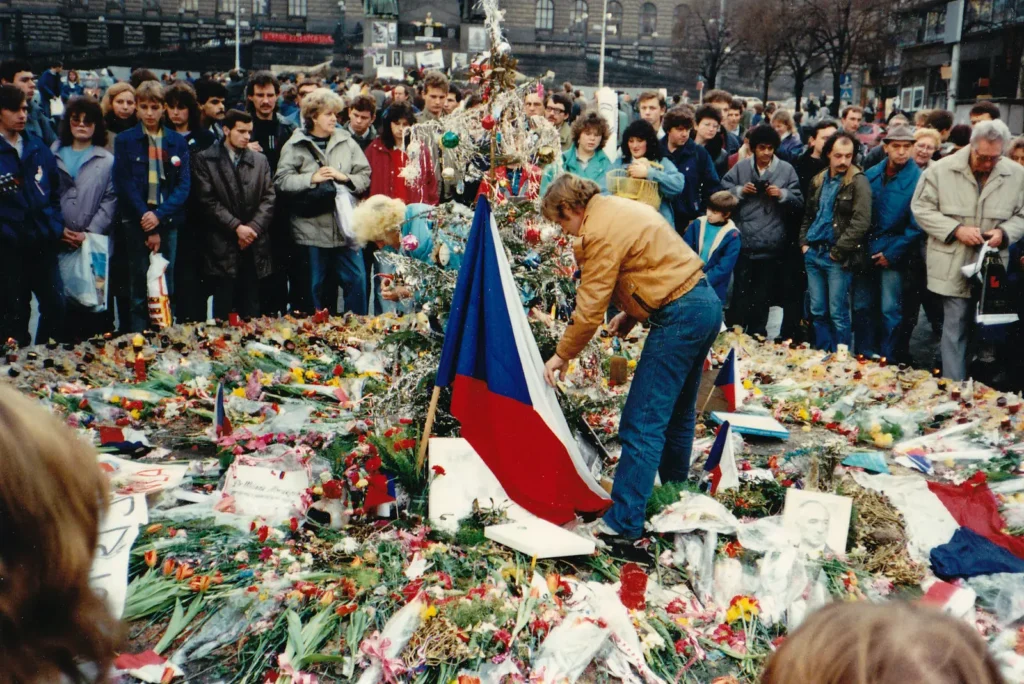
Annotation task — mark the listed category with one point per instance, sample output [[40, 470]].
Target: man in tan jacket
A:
[[628, 254], [962, 201]]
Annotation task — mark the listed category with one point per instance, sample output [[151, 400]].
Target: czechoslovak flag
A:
[[508, 413], [729, 380], [220, 415], [721, 463]]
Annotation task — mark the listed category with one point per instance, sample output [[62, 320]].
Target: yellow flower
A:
[[803, 414], [286, 333], [427, 612], [748, 385], [115, 399], [311, 375], [334, 382], [631, 364], [266, 379], [135, 414], [256, 352], [362, 483], [742, 608], [882, 439], [238, 392]]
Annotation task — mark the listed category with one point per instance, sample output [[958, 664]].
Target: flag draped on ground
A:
[[508, 414]]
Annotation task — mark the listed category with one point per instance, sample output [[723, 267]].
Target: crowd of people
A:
[[234, 181]]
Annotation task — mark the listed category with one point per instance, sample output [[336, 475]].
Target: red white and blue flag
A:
[[729, 381], [220, 415], [509, 415], [721, 464]]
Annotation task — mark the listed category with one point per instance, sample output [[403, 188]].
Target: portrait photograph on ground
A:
[[820, 521]]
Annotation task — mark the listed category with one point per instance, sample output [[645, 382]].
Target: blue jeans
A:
[[24, 271], [829, 287], [656, 429], [348, 267], [137, 255], [883, 285]]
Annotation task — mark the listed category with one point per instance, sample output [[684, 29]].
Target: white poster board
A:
[[608, 108], [275, 495], [430, 59], [118, 530]]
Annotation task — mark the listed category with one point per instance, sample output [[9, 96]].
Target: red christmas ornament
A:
[[532, 235], [487, 122]]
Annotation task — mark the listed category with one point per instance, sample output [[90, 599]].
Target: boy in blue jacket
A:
[[151, 176], [877, 294], [716, 239], [31, 226]]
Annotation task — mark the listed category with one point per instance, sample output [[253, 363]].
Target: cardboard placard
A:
[[118, 530], [275, 495], [129, 477]]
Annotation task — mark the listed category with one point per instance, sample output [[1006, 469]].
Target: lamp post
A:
[[604, 34]]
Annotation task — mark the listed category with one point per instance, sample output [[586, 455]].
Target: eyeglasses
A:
[[987, 158], [556, 110]]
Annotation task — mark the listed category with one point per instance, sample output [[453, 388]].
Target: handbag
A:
[[315, 201]]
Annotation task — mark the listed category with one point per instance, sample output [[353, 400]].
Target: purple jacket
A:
[[88, 202]]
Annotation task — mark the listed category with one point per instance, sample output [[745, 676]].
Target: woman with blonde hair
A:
[[927, 142], [892, 643], [396, 227], [52, 496], [1016, 151], [118, 110], [632, 258], [320, 160], [790, 145]]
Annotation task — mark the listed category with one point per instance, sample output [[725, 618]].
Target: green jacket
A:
[[851, 214]]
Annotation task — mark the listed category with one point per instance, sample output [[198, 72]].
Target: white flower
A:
[[242, 556]]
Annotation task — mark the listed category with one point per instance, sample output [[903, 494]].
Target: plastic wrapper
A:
[[781, 582], [156, 291], [568, 650], [391, 642], [696, 554], [1004, 649], [491, 673], [1001, 594], [695, 512], [226, 627], [765, 534]]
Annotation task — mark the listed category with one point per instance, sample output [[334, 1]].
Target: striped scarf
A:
[[156, 168]]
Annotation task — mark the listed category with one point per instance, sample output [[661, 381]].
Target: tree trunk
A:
[[799, 76], [837, 91], [766, 82]]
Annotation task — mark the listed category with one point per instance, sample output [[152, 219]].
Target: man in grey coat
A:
[[236, 192], [962, 201], [769, 193]]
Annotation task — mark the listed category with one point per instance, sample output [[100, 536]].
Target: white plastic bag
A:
[[343, 208], [56, 107], [156, 288], [86, 271]]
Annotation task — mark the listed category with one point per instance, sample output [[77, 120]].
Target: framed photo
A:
[[396, 58], [460, 61], [393, 33], [379, 35], [478, 40], [408, 59], [820, 521], [380, 59]]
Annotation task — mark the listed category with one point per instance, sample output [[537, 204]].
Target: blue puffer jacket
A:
[[893, 227], [131, 176], [30, 212], [596, 169], [700, 178]]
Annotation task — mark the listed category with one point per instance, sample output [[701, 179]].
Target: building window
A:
[[679, 21], [79, 33], [614, 18], [226, 6], [578, 16], [151, 5], [188, 5], [151, 37], [296, 8], [260, 8], [545, 16], [115, 36], [645, 56], [115, 5], [648, 19]]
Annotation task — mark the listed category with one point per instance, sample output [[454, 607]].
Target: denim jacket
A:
[[893, 227], [30, 210], [131, 176]]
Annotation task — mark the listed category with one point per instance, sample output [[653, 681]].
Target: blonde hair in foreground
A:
[[52, 494], [892, 643], [567, 192], [376, 218]]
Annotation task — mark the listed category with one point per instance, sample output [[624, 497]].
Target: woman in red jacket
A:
[[387, 159]]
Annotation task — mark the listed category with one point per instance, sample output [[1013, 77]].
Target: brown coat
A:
[[628, 255]]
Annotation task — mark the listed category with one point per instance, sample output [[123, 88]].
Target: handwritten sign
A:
[[275, 495], [118, 531], [129, 477]]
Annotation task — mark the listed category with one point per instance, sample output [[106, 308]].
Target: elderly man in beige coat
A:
[[962, 201]]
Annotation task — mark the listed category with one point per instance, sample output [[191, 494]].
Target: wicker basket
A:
[[640, 189]]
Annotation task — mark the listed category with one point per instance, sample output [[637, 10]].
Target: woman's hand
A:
[[324, 173], [638, 170], [555, 365], [339, 176], [394, 294], [72, 239]]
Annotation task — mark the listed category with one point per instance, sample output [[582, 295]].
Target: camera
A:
[[761, 186]]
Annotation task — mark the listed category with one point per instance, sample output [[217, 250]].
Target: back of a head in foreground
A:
[[894, 643], [52, 494]]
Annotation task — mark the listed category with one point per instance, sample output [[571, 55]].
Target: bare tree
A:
[[847, 30], [801, 51], [706, 27], [763, 33]]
